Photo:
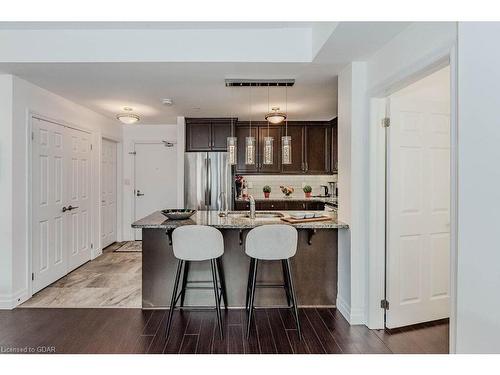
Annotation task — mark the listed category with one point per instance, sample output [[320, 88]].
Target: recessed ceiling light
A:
[[275, 117], [196, 108], [167, 101], [128, 117]]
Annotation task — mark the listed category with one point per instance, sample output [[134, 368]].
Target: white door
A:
[[418, 252], [78, 199], [108, 193], [49, 256], [155, 179], [60, 201]]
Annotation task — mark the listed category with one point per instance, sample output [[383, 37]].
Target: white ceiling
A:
[[197, 87]]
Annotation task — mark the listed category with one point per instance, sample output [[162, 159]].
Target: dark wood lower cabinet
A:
[[296, 205]]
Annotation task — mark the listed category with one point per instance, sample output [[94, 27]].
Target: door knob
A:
[[71, 207], [64, 209], [139, 194]]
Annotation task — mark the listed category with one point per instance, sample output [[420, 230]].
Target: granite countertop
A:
[[233, 221], [331, 200]]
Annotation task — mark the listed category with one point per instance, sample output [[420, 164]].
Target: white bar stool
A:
[[197, 243], [271, 242]]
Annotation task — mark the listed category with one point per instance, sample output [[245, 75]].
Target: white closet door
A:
[[108, 193], [78, 198], [49, 256], [419, 211]]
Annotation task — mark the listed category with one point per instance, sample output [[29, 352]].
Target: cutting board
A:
[[291, 220]]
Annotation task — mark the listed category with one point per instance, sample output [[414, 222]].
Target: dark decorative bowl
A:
[[178, 214]]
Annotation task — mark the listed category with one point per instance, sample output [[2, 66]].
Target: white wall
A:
[[6, 187], [478, 277], [352, 186], [27, 99], [397, 63], [141, 133]]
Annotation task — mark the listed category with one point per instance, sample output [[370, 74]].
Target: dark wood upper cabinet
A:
[[206, 134], [297, 134], [274, 132], [241, 133], [334, 147], [317, 141]]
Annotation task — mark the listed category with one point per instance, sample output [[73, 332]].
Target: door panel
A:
[[108, 193], [198, 136], [155, 178], [49, 259], [78, 228], [418, 210]]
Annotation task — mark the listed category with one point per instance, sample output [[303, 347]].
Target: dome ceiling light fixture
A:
[[275, 117], [128, 117]]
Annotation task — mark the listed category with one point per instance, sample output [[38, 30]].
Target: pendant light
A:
[[286, 140], [232, 141], [268, 141], [250, 141]]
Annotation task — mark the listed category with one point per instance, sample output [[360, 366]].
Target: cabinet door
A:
[[295, 205], [220, 131], [198, 136], [334, 148], [317, 149], [276, 134], [241, 133], [297, 134]]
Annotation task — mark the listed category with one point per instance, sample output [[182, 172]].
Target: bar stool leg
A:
[[220, 270], [252, 296], [174, 297], [216, 292], [286, 283], [184, 281], [294, 299], [249, 283]]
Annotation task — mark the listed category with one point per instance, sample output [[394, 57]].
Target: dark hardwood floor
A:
[[136, 331]]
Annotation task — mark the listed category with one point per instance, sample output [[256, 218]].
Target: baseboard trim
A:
[[344, 308], [10, 302]]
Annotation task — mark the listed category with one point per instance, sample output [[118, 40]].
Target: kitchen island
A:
[[314, 266]]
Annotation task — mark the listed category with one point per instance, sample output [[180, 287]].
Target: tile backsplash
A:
[[257, 182]]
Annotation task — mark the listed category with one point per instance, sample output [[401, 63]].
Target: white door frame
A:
[[132, 169], [29, 197], [377, 188], [119, 188]]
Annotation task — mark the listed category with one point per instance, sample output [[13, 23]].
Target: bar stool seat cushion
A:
[[271, 242], [197, 243]]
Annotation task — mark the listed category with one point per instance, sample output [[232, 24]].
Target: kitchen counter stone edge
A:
[[212, 218]]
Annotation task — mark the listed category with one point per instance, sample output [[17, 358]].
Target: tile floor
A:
[[111, 280]]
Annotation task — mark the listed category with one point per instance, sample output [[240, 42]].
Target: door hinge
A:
[[32, 136], [132, 153], [91, 245], [384, 304], [91, 147], [386, 122], [32, 276]]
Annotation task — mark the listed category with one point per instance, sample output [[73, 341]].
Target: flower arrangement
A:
[[240, 183], [266, 190], [287, 190], [307, 191]]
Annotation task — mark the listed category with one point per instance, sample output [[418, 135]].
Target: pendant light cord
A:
[[286, 110], [268, 110]]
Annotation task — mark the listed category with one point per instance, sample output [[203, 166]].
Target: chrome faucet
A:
[[252, 206]]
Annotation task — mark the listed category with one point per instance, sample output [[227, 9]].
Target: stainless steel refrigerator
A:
[[207, 181]]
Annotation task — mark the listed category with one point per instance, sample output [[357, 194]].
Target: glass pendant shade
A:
[[232, 150], [250, 150], [286, 149], [268, 150]]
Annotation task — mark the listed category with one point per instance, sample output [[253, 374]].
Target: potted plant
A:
[[287, 190], [307, 191], [267, 190]]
